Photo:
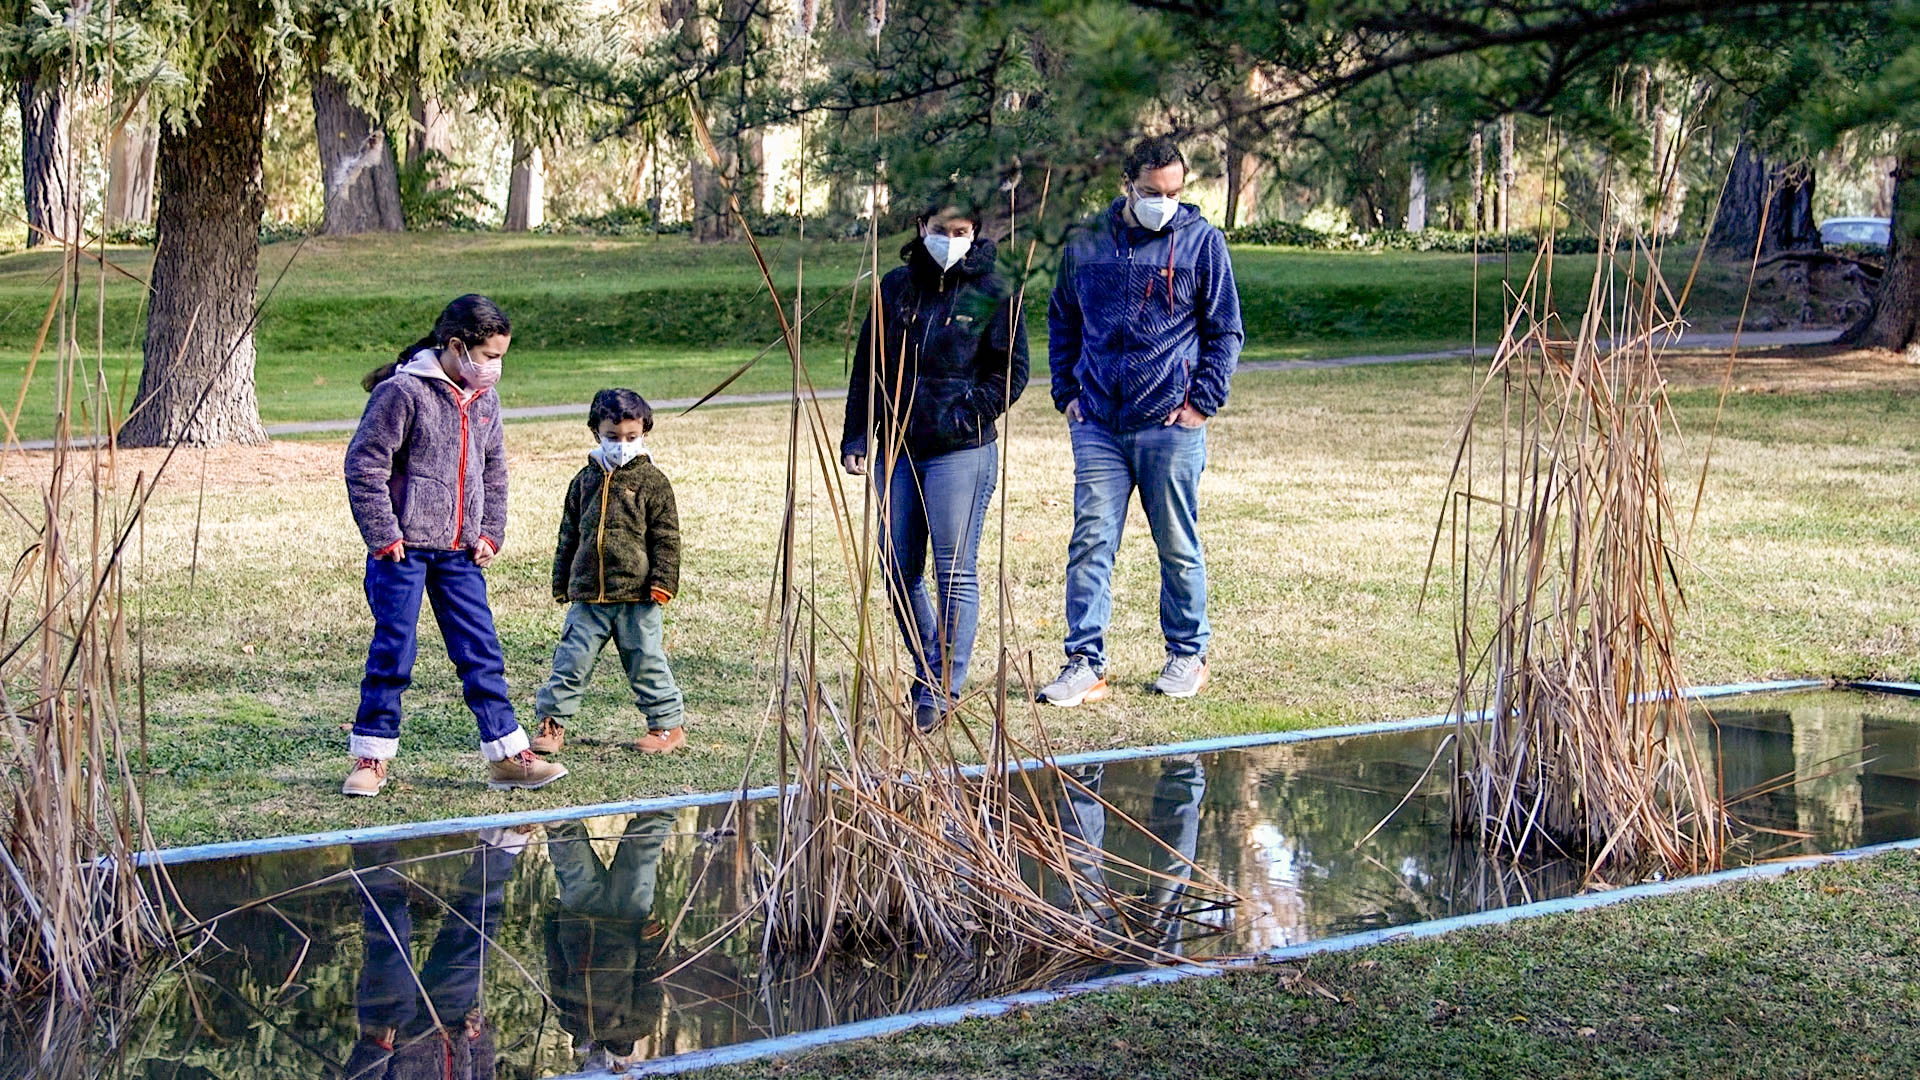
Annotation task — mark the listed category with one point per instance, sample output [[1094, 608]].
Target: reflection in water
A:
[[545, 960]]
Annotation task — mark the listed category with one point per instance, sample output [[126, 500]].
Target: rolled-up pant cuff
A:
[[373, 746], [506, 745]]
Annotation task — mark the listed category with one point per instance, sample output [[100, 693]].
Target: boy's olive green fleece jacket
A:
[[619, 536]]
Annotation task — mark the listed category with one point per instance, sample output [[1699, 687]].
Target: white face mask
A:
[[947, 250], [618, 452], [1155, 211], [476, 374]]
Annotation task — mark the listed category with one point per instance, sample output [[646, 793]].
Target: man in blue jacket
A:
[[1143, 335]]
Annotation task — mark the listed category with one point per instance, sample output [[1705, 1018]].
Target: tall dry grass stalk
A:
[[1566, 548], [883, 841]]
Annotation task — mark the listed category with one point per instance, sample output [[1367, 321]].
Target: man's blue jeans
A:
[[1164, 464], [940, 502], [457, 589]]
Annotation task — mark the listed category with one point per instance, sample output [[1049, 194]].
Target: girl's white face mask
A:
[[476, 374], [617, 452], [947, 250]]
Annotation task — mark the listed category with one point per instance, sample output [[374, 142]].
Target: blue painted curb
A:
[[414, 830], [801, 1042], [1877, 686]]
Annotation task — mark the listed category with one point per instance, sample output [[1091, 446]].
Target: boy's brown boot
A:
[[522, 770], [661, 742], [550, 738]]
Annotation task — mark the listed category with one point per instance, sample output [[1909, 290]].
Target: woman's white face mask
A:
[[947, 250]]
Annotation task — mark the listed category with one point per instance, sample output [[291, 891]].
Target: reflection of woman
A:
[[951, 356], [1173, 820], [443, 1035], [602, 943]]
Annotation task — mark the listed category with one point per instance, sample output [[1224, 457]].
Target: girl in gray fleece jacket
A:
[[427, 479]]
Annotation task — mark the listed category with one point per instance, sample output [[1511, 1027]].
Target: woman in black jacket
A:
[[943, 356]]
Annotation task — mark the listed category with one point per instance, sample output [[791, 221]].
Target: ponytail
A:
[[471, 319]]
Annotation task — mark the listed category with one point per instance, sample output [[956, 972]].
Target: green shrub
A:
[[429, 200]]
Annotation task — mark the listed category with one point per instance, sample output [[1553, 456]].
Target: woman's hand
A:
[[856, 464], [483, 553]]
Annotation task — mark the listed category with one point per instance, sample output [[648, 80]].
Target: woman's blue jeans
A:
[[939, 503]]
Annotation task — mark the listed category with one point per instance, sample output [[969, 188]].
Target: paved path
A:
[[1756, 340]]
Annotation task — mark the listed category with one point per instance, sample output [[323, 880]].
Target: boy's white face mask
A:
[[617, 452]]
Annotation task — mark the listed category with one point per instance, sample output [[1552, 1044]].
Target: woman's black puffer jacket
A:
[[953, 355]]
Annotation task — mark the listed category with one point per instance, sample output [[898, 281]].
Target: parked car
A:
[[1856, 230]]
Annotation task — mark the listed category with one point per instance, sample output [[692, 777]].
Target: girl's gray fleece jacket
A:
[[428, 465]]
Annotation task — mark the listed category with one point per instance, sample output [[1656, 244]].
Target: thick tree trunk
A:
[[130, 161], [711, 219], [751, 159], [357, 171], [526, 190], [1417, 198], [430, 131], [1504, 204], [1756, 190], [205, 271], [1891, 322], [46, 169]]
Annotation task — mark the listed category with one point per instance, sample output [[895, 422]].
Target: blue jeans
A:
[[457, 589], [940, 502], [389, 995], [1164, 464]]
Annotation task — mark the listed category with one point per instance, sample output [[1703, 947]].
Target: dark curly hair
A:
[[1153, 152], [617, 404]]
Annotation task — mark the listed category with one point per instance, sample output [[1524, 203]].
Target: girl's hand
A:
[[397, 552], [856, 464], [483, 553]]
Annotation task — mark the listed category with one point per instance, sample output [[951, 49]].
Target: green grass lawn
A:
[[1320, 500], [673, 318], [1812, 975]]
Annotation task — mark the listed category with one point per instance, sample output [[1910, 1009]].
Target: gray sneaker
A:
[[1183, 676], [1076, 684]]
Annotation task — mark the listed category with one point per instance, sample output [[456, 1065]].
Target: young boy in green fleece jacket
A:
[[618, 563]]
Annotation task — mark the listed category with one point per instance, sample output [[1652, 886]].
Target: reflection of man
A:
[[1173, 820], [443, 1035], [603, 942]]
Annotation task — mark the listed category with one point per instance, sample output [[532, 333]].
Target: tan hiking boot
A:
[[661, 742], [522, 770], [550, 738], [369, 775]]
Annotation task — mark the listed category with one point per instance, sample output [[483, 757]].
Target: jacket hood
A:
[[426, 365], [1188, 215], [976, 263]]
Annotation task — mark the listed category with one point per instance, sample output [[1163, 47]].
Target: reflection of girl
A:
[[443, 1036], [603, 942], [953, 356]]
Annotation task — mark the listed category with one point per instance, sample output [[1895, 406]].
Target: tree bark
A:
[[1757, 190], [1476, 180], [130, 161], [431, 131], [46, 168], [197, 384], [526, 190], [357, 171], [1417, 198], [1891, 322]]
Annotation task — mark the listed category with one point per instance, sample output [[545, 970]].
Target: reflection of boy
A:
[[445, 1035], [603, 941]]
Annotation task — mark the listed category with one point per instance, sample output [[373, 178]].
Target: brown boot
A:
[[550, 738], [367, 778], [661, 742], [522, 770]]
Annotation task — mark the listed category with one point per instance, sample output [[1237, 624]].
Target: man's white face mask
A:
[[1155, 211]]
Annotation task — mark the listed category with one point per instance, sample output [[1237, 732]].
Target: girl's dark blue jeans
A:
[[938, 504], [457, 590]]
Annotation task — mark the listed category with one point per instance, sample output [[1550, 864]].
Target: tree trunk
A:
[[1891, 322], [526, 190], [1477, 180], [46, 168], [197, 385], [1504, 206], [130, 168], [1236, 159], [1783, 196], [711, 221], [1417, 198], [357, 173], [430, 131], [751, 160]]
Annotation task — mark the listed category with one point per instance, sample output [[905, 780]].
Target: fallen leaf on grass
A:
[[1586, 1033]]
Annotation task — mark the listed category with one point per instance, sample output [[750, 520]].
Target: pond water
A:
[[544, 948]]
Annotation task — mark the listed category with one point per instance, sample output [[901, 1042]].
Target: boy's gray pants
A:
[[639, 633]]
